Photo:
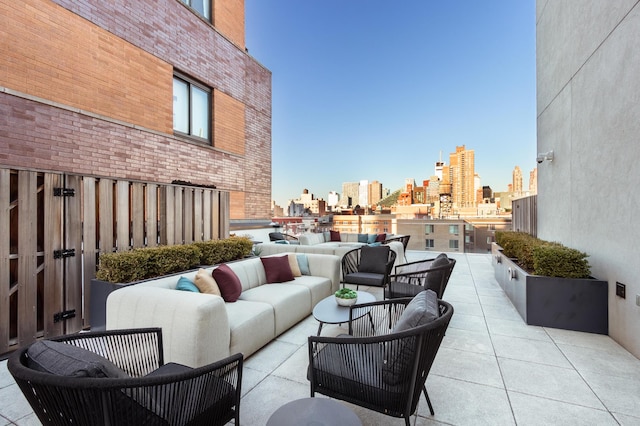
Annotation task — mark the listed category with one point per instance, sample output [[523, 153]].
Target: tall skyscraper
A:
[[363, 193], [350, 194], [375, 192], [533, 181], [461, 176], [517, 180]]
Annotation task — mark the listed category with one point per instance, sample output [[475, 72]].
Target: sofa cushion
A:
[[327, 236], [277, 269], [64, 359], [371, 238], [228, 282], [335, 236], [374, 259], [185, 284], [363, 238], [206, 283], [380, 238], [293, 264], [303, 264]]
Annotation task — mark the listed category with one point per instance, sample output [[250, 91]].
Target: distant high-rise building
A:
[[363, 193], [462, 177], [517, 180], [350, 194], [375, 192], [333, 199], [438, 169], [533, 181]]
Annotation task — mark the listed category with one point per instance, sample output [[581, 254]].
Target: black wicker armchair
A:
[[368, 266], [404, 239], [137, 389], [279, 236], [411, 278], [377, 367]]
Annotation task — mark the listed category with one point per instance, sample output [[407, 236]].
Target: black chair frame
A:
[[350, 265], [411, 278]]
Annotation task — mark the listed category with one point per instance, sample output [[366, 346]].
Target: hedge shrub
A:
[[151, 262], [542, 257]]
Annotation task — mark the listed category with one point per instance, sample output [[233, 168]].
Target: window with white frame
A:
[[429, 243], [203, 7], [453, 244], [191, 108], [428, 229], [453, 229]]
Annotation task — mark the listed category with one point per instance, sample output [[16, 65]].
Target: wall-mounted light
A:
[[545, 156]]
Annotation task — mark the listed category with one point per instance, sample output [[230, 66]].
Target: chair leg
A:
[[426, 395]]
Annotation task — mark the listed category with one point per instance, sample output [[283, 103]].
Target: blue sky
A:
[[376, 90]]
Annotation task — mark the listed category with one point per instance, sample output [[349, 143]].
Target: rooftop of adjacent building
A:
[[492, 368]]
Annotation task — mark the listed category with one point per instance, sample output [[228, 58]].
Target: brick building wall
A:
[[86, 88]]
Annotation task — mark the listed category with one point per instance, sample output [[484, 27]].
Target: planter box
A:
[[566, 303]]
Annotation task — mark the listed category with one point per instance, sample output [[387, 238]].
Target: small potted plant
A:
[[346, 297]]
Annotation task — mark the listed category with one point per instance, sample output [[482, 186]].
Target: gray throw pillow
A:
[[399, 355], [374, 259], [64, 359], [434, 279]]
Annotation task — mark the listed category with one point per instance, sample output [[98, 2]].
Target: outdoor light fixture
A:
[[545, 156]]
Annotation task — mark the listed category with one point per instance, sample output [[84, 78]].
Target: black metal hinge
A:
[[59, 254], [64, 315], [64, 192]]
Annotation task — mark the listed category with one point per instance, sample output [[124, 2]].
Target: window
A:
[[203, 7], [428, 229], [453, 244], [453, 229], [429, 243], [191, 108]]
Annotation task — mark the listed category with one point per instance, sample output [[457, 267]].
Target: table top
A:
[[328, 311], [314, 411]]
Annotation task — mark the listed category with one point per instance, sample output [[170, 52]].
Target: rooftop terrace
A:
[[491, 368]]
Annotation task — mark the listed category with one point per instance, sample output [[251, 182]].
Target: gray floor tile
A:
[[517, 328], [472, 341], [267, 397], [468, 322], [14, 405], [466, 308], [295, 367], [535, 411], [618, 394], [467, 366], [585, 340], [535, 351], [625, 420], [546, 381], [589, 360], [271, 356]]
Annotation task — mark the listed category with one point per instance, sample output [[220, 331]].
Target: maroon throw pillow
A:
[[277, 269], [381, 237], [228, 282], [335, 236]]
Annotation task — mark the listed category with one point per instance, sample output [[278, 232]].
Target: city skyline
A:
[[362, 90]]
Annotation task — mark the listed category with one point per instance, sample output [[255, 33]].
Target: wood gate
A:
[[54, 226]]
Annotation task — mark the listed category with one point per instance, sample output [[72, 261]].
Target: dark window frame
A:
[[208, 140]]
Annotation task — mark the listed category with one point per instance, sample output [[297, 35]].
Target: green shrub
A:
[[150, 262], [542, 257]]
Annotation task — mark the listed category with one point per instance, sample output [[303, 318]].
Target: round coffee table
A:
[[313, 412], [327, 311]]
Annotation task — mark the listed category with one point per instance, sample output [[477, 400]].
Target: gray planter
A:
[[565, 303]]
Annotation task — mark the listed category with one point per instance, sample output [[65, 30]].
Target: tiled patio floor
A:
[[491, 368]]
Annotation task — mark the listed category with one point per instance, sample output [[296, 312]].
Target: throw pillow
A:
[[375, 244], [185, 284], [206, 283], [362, 238], [381, 237], [399, 355], [371, 238], [327, 236], [64, 359], [303, 263], [374, 259], [281, 242], [335, 236], [228, 282], [277, 269], [434, 279], [293, 264]]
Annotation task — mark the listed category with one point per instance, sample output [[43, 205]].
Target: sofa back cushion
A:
[[311, 238]]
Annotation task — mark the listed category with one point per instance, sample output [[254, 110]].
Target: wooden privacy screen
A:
[[54, 226]]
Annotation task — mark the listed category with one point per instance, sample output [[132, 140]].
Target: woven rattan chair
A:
[[368, 266], [279, 236], [404, 239], [171, 395], [411, 278], [359, 368]]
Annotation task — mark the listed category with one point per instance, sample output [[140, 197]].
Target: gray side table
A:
[[314, 412], [327, 311]]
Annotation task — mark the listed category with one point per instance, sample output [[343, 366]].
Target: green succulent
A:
[[346, 293]]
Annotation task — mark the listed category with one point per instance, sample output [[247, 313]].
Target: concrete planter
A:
[[565, 303]]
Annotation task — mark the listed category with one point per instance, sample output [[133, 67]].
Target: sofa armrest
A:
[[325, 265], [195, 327]]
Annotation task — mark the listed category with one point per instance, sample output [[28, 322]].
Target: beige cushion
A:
[[293, 263], [206, 283]]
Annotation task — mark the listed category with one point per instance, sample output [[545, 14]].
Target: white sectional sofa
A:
[[202, 328]]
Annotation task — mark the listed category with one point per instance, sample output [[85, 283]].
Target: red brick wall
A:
[[163, 34]]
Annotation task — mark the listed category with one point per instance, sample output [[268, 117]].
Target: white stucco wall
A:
[[588, 104]]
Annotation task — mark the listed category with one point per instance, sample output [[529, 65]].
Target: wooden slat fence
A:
[[44, 289]]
